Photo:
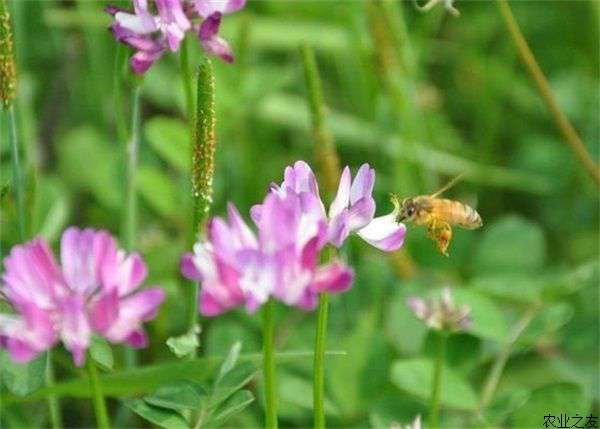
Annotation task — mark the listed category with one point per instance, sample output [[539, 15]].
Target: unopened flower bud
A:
[[442, 313]]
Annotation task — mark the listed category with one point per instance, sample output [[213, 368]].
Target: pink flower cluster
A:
[[151, 34], [93, 291], [238, 267]]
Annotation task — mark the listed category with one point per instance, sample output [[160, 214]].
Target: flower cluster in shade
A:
[[442, 313], [238, 267], [93, 291], [153, 33]]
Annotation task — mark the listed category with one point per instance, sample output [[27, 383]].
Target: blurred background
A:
[[422, 98]]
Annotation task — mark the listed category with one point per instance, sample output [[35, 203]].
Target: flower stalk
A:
[[319, 363], [269, 370], [186, 78], [325, 151], [132, 148], [97, 396], [53, 404], [436, 387], [204, 145], [565, 127]]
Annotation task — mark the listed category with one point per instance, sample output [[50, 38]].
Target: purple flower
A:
[[212, 11], [352, 209], [151, 35], [442, 313], [94, 290], [236, 267]]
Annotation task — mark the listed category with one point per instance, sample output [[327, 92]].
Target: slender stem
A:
[[18, 184], [130, 217], [325, 151], [97, 395], [436, 388], [132, 148], [53, 404], [186, 79], [568, 131], [269, 365], [319, 363], [496, 371], [120, 120]]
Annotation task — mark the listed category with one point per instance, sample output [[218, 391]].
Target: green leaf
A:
[[546, 322], [159, 416], [519, 288], [236, 404], [89, 163], [416, 375], [554, 399], [158, 190], [186, 344], [233, 381], [510, 245], [488, 320], [101, 352], [22, 379], [146, 379], [505, 404], [230, 360], [170, 139], [178, 395]]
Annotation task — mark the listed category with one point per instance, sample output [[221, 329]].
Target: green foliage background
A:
[[421, 97]]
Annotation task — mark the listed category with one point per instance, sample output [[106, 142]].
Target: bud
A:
[[204, 145], [448, 4], [442, 313], [8, 70]]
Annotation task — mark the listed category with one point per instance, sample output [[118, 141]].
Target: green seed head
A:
[[8, 70]]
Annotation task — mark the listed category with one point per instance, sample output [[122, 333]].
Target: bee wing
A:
[[448, 185]]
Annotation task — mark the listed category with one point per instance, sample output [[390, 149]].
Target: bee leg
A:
[[441, 233]]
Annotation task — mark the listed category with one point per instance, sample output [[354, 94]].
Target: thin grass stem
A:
[[569, 133], [269, 370], [102, 420]]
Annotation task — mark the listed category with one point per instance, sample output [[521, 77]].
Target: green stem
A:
[[269, 365], [18, 184], [319, 363], [436, 388], [325, 151], [53, 404], [568, 131], [186, 79], [97, 395], [494, 375], [120, 121], [130, 218]]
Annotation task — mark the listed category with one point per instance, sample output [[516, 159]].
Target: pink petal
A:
[[105, 311], [339, 229], [239, 228], [362, 187], [234, 5], [218, 47], [384, 233], [20, 351], [210, 26], [78, 259], [75, 330], [188, 268], [209, 306], [333, 278], [361, 213], [342, 197], [137, 339], [32, 274]]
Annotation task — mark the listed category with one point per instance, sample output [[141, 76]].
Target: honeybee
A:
[[437, 214]]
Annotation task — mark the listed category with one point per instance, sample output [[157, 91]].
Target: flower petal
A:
[[361, 213], [384, 233], [75, 329], [339, 229], [218, 47], [333, 278], [32, 274], [188, 268], [362, 186], [342, 197]]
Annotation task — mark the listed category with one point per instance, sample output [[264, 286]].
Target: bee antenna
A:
[[448, 185]]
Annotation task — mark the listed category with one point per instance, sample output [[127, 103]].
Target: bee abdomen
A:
[[471, 219]]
